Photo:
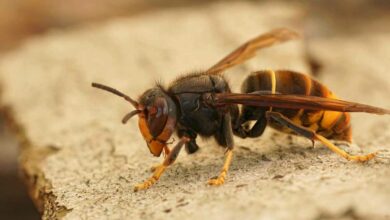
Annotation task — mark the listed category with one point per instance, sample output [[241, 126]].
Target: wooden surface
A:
[[80, 162]]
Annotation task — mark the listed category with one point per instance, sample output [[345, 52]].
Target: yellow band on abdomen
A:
[[273, 84]]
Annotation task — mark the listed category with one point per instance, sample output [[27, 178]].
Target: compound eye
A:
[[157, 116]]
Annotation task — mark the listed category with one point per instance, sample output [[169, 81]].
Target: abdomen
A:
[[333, 125]]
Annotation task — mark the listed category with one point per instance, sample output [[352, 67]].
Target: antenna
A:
[[116, 92], [129, 115]]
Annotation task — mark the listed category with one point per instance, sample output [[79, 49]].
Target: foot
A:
[[361, 158], [152, 180], [145, 185], [216, 181]]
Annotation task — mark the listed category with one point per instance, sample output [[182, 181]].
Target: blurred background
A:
[[23, 19]]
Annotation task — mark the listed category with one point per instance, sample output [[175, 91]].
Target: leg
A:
[[222, 175], [166, 151], [227, 135], [248, 114], [171, 157], [256, 131], [191, 146], [313, 136]]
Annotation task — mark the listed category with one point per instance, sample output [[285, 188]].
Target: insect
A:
[[203, 104]]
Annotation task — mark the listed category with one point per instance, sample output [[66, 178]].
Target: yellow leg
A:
[[159, 170], [167, 151], [152, 180], [337, 150], [222, 175], [306, 132]]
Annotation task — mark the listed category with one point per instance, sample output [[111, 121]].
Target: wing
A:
[[248, 50], [295, 102]]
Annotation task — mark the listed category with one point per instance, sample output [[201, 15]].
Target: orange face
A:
[[155, 144], [157, 124]]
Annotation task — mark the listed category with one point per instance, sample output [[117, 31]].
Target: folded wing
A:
[[296, 102]]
